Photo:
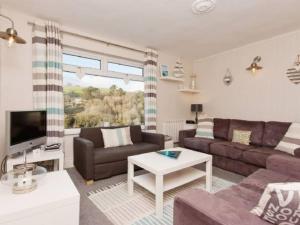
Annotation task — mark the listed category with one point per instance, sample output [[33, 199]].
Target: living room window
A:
[[119, 68], [99, 91]]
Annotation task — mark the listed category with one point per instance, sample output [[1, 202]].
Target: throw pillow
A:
[[291, 140], [241, 136], [205, 128], [116, 137], [280, 204]]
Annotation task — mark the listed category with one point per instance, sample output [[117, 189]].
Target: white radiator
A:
[[172, 128]]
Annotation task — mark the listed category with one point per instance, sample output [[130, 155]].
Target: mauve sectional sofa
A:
[[232, 206], [259, 161], [235, 157]]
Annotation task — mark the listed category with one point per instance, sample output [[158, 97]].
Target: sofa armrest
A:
[[184, 134], [297, 152], [288, 165], [84, 157], [202, 208], [154, 138]]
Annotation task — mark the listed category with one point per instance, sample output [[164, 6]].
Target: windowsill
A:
[[76, 131], [72, 132]]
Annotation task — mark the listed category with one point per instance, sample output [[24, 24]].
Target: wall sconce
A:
[[11, 35], [254, 65], [227, 79]]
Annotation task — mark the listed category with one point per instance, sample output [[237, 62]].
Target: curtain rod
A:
[[98, 40]]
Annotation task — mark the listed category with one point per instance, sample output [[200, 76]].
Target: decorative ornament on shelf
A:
[[193, 82], [164, 71], [178, 69], [254, 65], [227, 79], [294, 73]]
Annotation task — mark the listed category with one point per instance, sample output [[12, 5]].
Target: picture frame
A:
[[164, 71]]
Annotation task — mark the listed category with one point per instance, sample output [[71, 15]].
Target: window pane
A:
[[81, 61], [114, 67], [93, 100]]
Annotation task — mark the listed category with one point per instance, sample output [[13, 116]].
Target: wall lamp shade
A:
[[196, 107], [11, 35], [254, 65]]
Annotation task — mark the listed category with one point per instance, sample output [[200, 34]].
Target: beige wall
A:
[[16, 77], [268, 95]]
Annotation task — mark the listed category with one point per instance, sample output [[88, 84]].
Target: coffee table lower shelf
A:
[[171, 180]]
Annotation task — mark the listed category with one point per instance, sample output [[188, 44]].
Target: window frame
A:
[[104, 60], [103, 71], [85, 57]]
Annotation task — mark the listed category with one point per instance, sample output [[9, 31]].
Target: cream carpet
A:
[[90, 213], [122, 209]]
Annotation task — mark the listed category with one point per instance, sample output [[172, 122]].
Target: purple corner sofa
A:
[[236, 157], [232, 206]]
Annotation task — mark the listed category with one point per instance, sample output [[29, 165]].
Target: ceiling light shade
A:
[[254, 65], [203, 6], [11, 35]]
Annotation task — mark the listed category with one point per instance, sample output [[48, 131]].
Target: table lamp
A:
[[196, 108]]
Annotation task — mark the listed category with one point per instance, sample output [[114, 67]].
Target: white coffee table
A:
[[166, 173]]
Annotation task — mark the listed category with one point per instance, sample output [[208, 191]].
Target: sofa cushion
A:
[[241, 136], [199, 144], [205, 128], [94, 134], [258, 156], [229, 149], [274, 132], [291, 140], [116, 137], [221, 127], [259, 180], [279, 204], [256, 128], [136, 133], [240, 197], [106, 155]]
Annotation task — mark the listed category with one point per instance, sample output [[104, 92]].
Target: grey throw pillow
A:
[[280, 204]]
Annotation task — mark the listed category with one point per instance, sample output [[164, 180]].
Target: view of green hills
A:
[[92, 106]]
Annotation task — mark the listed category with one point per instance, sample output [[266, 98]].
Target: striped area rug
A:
[[139, 209]]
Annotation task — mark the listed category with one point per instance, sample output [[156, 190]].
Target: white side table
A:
[[57, 156], [55, 201]]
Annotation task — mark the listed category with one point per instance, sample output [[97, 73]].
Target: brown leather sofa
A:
[[235, 157], [94, 162]]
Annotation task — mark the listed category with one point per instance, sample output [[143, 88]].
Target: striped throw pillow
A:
[[205, 128], [116, 137], [279, 204], [241, 136], [291, 140]]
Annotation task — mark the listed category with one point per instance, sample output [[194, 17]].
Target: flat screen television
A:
[[25, 130]]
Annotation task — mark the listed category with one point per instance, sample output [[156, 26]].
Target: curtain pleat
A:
[[150, 81], [48, 78]]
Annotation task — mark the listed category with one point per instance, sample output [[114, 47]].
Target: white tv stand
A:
[[57, 156]]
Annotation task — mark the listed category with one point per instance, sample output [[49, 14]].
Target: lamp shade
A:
[[196, 107]]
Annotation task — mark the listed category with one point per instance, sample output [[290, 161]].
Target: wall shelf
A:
[[191, 91], [175, 79]]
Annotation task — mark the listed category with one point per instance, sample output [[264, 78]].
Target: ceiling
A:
[[170, 25]]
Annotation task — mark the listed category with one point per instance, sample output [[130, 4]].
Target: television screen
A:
[[27, 126]]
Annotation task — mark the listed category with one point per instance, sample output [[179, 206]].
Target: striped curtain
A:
[[48, 79], [150, 77]]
